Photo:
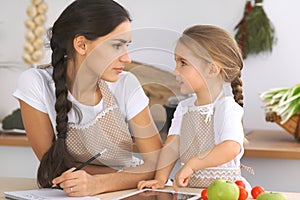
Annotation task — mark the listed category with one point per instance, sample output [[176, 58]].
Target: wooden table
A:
[[14, 184]]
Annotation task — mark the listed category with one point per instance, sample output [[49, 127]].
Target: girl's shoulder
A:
[[190, 101], [227, 105]]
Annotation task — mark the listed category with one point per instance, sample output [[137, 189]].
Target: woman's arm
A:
[[83, 183], [167, 159], [38, 129]]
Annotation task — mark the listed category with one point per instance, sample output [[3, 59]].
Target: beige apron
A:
[[197, 140], [109, 130]]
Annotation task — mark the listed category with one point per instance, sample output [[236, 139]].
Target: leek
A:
[[285, 102]]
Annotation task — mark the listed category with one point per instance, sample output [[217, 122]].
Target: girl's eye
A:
[[183, 63]]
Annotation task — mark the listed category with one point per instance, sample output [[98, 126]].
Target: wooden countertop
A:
[[15, 184], [272, 144], [261, 144], [19, 140]]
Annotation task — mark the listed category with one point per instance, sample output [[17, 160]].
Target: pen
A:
[[90, 160], [84, 164]]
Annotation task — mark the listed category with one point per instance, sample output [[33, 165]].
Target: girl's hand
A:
[[78, 183], [153, 184], [182, 177]]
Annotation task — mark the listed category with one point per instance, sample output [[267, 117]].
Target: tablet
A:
[[149, 194]]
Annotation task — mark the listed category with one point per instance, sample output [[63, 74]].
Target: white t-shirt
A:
[[36, 88], [227, 123]]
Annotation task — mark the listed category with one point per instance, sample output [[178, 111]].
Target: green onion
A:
[[285, 102]]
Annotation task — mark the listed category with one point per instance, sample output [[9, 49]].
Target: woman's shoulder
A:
[[126, 80], [37, 74], [127, 76]]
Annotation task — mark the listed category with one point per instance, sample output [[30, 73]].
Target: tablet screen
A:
[[148, 194]]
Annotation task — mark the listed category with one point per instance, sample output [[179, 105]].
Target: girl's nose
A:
[[175, 72]]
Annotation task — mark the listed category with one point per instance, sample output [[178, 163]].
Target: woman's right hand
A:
[[78, 183], [153, 184]]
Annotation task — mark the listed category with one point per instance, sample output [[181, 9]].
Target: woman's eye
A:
[[117, 46]]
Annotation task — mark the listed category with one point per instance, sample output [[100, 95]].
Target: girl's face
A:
[[107, 55], [189, 71]]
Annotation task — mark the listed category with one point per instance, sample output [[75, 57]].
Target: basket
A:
[[292, 125]]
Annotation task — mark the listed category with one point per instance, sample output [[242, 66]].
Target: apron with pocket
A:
[[108, 131], [196, 140]]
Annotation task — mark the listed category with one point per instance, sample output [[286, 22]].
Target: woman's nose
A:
[[125, 58]]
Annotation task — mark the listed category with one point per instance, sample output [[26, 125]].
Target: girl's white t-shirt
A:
[[36, 88], [227, 123]]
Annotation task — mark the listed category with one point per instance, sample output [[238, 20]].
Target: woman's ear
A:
[[213, 70], [80, 45]]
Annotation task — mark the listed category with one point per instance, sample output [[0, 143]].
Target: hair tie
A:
[[62, 135]]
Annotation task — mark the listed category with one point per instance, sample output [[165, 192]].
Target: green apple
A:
[[221, 189], [271, 196]]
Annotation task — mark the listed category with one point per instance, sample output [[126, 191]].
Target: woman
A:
[[84, 102]]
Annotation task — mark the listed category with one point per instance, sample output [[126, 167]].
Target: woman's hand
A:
[[182, 177], [78, 183], [153, 184]]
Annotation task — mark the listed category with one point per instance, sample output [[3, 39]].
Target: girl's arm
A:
[[83, 183], [167, 159], [220, 154]]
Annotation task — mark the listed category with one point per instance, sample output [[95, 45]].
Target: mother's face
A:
[[106, 56]]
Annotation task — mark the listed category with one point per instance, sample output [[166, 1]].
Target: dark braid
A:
[[57, 159], [91, 19]]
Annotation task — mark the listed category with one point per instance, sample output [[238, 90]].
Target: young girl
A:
[[83, 103], [206, 131]]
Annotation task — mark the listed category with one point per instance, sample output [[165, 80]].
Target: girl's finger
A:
[[175, 187]]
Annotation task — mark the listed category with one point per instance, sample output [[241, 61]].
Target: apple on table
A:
[[223, 189]]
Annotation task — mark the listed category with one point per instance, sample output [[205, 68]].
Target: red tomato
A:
[[243, 193], [256, 191], [240, 183], [204, 194]]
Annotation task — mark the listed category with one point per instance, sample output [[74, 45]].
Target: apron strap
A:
[[248, 169], [211, 107], [106, 94]]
